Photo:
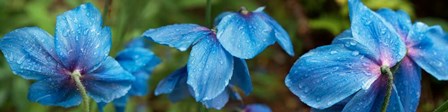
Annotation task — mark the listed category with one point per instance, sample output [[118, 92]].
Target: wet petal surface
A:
[[82, 42], [208, 69]]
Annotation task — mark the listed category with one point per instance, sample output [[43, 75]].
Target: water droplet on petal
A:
[[352, 43], [355, 53], [383, 31], [333, 52], [306, 90]]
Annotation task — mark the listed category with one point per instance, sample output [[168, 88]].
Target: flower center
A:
[[385, 70], [76, 74], [244, 11]]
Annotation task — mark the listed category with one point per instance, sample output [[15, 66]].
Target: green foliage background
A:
[[310, 23]]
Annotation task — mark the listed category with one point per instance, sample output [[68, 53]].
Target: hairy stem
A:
[[76, 75], [208, 14], [385, 70]]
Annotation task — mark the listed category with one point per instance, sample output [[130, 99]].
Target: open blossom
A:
[[241, 34], [140, 62], [78, 51], [424, 45], [245, 34], [352, 67], [176, 86], [425, 48]]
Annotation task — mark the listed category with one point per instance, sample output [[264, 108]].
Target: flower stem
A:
[[385, 70], [201, 108], [76, 75], [208, 14], [443, 107]]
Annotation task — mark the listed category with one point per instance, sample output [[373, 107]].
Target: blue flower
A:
[[79, 51], [351, 68], [257, 108], [212, 53], [424, 45], [245, 34], [208, 64], [176, 86], [140, 62]]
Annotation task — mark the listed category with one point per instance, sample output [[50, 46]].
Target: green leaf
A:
[[332, 23]]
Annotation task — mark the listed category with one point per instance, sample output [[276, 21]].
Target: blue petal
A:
[[399, 20], [334, 108], [343, 37], [427, 47], [209, 69], [244, 36], [140, 85], [279, 33], [108, 82], [218, 102], [344, 71], [137, 59], [407, 81], [119, 109], [371, 30], [338, 107], [30, 54], [346, 39], [175, 85], [241, 76], [181, 91], [168, 84], [395, 104], [121, 102], [371, 100], [81, 41], [257, 108], [180, 36], [364, 100], [220, 16], [55, 92], [101, 106], [259, 9]]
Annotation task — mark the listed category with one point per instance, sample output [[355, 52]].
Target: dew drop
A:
[[352, 43], [329, 103], [355, 53], [20, 60], [306, 90], [383, 31], [333, 52], [300, 86]]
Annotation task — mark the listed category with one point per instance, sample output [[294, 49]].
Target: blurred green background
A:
[[310, 23]]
